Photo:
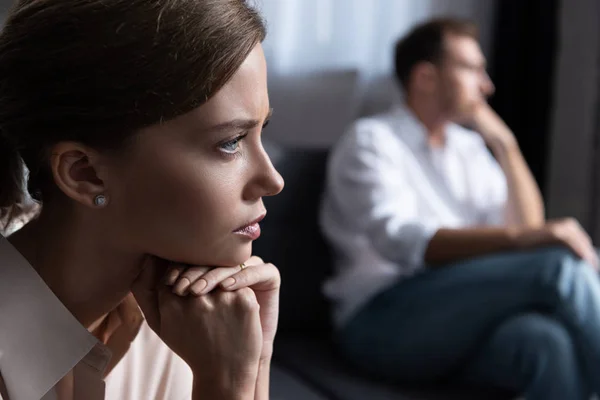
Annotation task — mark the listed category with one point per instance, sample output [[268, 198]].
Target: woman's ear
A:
[[78, 172]]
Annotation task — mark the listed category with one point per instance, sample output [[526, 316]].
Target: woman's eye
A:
[[232, 145]]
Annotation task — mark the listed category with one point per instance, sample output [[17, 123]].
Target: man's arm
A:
[[525, 204], [453, 245], [368, 185], [524, 227]]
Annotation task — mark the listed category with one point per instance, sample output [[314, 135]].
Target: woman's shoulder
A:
[[149, 370]]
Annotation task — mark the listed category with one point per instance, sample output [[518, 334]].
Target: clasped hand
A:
[[221, 321]]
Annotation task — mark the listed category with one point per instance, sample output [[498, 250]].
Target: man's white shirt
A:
[[387, 194]]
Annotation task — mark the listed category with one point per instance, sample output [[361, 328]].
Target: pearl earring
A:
[[100, 200]]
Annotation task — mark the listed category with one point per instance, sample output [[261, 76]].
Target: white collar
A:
[[416, 134], [40, 340]]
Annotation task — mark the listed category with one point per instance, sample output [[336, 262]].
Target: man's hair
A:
[[425, 43]]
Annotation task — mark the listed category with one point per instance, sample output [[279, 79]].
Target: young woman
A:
[[139, 122]]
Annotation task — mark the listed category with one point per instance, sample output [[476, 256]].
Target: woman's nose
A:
[[266, 181]]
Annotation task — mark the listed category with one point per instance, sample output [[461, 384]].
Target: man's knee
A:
[[562, 266], [542, 342], [558, 256], [549, 340], [546, 359]]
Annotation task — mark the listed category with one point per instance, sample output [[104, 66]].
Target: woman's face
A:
[[188, 187]]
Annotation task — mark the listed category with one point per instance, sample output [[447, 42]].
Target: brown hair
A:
[[425, 42], [96, 71]]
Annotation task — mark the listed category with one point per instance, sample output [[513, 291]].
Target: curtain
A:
[[574, 176], [330, 61], [312, 35], [523, 68]]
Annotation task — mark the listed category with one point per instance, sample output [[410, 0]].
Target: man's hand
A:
[[491, 127], [525, 206], [566, 232]]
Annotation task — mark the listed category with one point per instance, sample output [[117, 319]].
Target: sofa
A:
[[291, 239]]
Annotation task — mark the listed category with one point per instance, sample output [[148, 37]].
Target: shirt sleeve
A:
[[370, 189], [493, 202]]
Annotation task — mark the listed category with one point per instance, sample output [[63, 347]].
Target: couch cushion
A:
[[291, 240], [315, 361]]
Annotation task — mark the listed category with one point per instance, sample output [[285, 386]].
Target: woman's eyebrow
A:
[[239, 124]]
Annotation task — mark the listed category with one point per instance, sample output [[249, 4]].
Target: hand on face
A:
[[216, 333], [490, 126], [262, 278]]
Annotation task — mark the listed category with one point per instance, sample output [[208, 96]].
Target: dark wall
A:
[[524, 53]]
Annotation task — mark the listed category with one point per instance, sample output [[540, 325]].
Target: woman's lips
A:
[[251, 231]]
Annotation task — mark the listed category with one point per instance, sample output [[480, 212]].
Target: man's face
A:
[[464, 82]]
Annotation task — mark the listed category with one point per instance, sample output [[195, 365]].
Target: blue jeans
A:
[[528, 322]]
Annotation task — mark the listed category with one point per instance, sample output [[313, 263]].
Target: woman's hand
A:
[[218, 334], [263, 278]]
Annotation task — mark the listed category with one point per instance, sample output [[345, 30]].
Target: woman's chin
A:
[[241, 255], [231, 258], [219, 256]]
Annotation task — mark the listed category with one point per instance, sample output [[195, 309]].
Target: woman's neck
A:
[[88, 274]]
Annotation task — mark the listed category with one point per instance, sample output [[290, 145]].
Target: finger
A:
[[595, 256], [254, 260], [594, 262], [591, 260], [577, 249], [145, 288], [591, 256], [173, 274], [587, 250], [189, 277], [261, 278], [582, 251], [212, 278], [583, 238]]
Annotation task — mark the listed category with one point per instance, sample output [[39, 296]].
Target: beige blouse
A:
[[41, 342]]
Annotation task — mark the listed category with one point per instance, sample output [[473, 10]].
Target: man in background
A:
[[445, 264]]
